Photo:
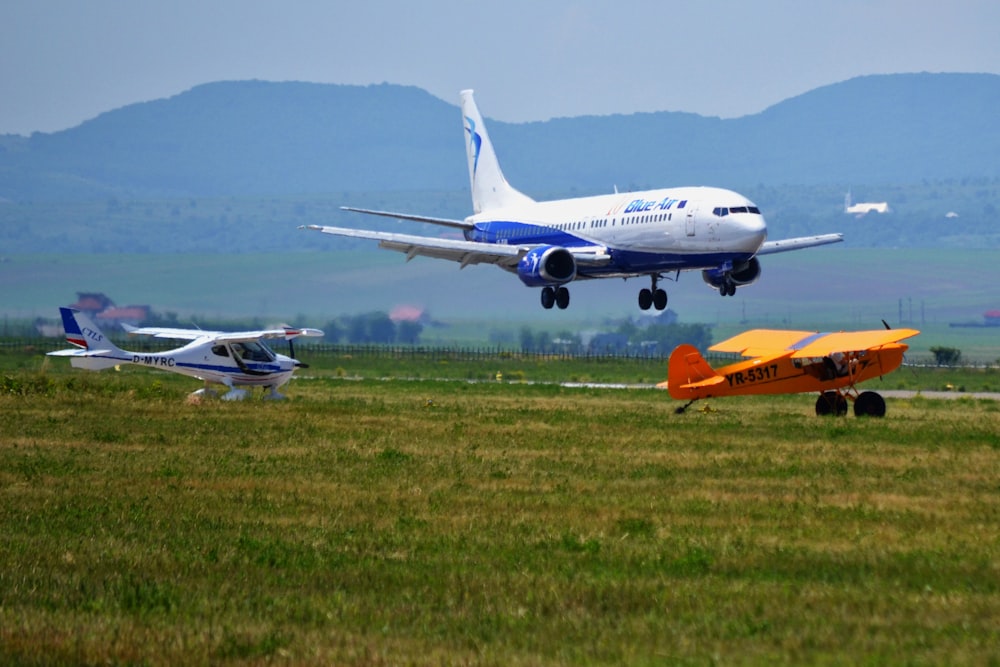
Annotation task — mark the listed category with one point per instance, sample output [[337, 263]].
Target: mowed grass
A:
[[429, 522]]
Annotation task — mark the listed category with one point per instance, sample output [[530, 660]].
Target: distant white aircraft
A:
[[232, 359], [550, 244]]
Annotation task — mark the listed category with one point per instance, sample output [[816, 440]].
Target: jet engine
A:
[[546, 265], [736, 275]]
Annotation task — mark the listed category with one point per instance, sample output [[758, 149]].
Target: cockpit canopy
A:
[[253, 350], [723, 211]]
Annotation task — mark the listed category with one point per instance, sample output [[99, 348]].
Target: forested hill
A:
[[259, 138]]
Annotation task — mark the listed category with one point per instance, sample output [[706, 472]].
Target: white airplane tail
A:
[[94, 351], [490, 189]]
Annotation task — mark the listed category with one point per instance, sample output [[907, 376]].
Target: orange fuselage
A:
[[690, 376]]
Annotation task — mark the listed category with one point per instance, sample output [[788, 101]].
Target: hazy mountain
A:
[[253, 138]]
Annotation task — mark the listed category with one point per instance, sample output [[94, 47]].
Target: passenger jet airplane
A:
[[623, 235]]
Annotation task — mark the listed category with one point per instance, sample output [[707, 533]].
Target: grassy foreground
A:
[[389, 522]]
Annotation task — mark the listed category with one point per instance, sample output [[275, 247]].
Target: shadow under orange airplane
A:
[[793, 362]]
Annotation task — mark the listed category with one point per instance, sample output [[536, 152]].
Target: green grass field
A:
[[379, 521]]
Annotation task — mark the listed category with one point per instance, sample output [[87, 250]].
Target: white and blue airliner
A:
[[549, 244]]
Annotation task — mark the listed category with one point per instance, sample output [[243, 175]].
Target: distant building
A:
[[404, 313], [864, 208], [92, 302], [104, 311], [134, 315]]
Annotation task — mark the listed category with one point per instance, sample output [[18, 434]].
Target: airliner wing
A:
[[464, 252], [784, 245], [457, 250], [447, 222]]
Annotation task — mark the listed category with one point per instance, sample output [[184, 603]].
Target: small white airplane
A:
[[550, 244], [232, 359]]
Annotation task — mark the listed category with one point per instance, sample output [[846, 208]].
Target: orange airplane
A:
[[793, 362]]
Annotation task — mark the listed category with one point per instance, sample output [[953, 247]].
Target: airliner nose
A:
[[749, 232]]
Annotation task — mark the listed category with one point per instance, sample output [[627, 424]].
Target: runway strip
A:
[[886, 393]]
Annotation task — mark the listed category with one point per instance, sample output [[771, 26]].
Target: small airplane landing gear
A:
[[831, 403], [869, 404], [655, 297]]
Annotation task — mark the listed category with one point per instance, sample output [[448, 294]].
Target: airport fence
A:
[[436, 353]]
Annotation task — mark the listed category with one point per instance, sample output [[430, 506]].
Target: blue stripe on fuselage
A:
[[517, 233], [622, 261]]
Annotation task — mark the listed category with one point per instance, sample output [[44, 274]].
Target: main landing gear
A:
[[866, 404], [555, 296], [727, 288], [654, 296]]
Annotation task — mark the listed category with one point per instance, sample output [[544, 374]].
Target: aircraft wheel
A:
[[831, 403], [659, 299], [645, 299], [869, 404], [731, 289], [562, 298], [548, 297]]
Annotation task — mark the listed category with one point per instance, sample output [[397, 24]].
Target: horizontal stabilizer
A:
[[447, 222], [91, 360]]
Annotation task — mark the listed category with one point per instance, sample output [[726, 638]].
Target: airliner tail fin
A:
[[490, 189]]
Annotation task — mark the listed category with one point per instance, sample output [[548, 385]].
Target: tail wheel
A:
[[831, 403], [869, 404], [562, 298]]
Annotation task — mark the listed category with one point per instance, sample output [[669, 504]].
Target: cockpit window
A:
[[220, 350], [723, 211], [253, 351]]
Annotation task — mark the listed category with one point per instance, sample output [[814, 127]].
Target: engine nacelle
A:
[[743, 273], [546, 265]]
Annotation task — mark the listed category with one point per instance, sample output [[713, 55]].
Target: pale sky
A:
[[65, 61]]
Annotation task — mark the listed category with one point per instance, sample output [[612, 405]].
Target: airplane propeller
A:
[[291, 348]]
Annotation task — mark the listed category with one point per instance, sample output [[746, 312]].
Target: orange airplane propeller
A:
[[793, 362]]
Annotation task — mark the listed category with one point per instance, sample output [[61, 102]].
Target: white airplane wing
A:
[[221, 336], [167, 332], [457, 250], [287, 333], [784, 245]]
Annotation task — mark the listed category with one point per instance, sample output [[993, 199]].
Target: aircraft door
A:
[[689, 220]]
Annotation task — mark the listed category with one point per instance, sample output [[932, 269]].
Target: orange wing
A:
[[802, 344], [761, 342], [852, 341]]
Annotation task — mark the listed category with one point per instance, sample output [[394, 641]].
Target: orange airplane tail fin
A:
[[687, 371]]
